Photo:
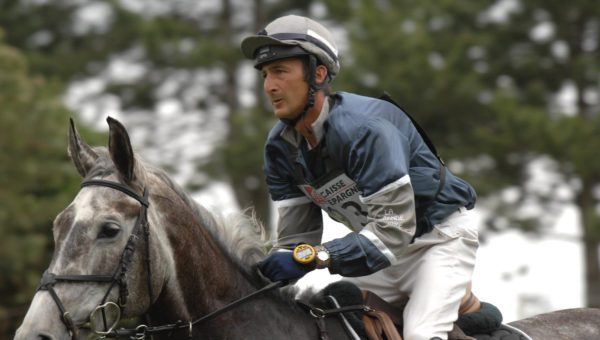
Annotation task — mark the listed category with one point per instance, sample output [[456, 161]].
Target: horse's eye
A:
[[108, 230]]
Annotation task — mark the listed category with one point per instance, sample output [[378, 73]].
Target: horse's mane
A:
[[241, 234]]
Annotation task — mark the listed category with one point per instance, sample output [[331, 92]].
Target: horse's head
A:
[[132, 242], [95, 268]]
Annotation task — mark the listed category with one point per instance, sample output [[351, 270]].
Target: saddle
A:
[[381, 320], [384, 321]]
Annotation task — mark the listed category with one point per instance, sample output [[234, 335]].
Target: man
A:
[[362, 161]]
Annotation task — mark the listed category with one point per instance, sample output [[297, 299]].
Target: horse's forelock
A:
[[104, 167]]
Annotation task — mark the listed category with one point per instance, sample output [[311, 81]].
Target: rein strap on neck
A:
[[141, 331]]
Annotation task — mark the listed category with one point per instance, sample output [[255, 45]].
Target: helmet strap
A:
[[310, 101]]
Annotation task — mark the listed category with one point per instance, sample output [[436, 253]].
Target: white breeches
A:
[[434, 271]]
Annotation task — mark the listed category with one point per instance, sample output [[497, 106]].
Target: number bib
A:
[[339, 197]]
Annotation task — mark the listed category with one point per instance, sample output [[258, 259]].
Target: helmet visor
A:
[[269, 53]]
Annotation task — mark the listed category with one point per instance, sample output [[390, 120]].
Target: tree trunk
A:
[[248, 186], [591, 243], [592, 277], [260, 196]]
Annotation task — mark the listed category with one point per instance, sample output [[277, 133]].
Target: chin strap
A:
[[312, 89]]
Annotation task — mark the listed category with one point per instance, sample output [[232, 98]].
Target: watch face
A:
[[323, 255], [304, 253]]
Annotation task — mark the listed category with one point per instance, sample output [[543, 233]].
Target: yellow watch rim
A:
[[304, 253]]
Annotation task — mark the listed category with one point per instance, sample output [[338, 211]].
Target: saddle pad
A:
[[505, 332]]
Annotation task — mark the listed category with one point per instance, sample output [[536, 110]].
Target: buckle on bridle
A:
[[140, 332], [68, 321], [317, 313], [104, 308]]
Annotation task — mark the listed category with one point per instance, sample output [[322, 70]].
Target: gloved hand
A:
[[281, 265]]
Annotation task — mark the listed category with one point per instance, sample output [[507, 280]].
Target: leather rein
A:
[[119, 277]]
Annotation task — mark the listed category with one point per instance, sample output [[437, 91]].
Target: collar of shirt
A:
[[294, 137]]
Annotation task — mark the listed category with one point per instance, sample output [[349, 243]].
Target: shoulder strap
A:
[[386, 96], [299, 174], [298, 170]]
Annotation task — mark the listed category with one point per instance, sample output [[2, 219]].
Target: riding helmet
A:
[[292, 36]]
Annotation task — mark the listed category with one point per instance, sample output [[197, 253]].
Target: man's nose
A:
[[269, 84]]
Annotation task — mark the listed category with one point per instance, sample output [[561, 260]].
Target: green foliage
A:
[[37, 179], [424, 66], [240, 159]]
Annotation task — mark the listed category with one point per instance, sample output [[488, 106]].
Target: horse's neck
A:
[[199, 273], [202, 279], [200, 276], [264, 318], [207, 281]]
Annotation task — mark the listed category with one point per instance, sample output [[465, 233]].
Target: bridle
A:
[[49, 280], [119, 277]]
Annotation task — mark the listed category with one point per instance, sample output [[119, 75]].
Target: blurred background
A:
[[509, 90]]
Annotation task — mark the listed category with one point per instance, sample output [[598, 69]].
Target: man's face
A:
[[286, 87]]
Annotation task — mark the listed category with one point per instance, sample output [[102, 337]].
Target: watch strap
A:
[[322, 257]]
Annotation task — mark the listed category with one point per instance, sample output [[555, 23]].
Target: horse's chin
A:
[[28, 333], [25, 333]]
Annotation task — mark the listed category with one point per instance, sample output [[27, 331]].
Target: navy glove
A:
[[281, 265]]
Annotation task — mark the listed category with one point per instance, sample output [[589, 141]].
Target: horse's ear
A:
[[82, 154], [120, 149]]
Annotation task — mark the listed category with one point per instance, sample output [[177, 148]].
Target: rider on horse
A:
[[364, 162]]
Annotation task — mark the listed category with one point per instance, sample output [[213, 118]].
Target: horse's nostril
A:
[[44, 337]]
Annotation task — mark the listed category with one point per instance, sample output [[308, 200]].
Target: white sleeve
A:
[[299, 221]]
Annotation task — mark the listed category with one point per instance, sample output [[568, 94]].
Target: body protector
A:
[[378, 177]]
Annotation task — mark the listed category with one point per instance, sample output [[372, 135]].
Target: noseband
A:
[[119, 277]]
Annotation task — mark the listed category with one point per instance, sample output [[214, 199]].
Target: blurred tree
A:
[[488, 81], [142, 55], [547, 55], [483, 79], [37, 180], [149, 60]]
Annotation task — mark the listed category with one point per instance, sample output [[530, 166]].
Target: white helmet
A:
[[292, 36]]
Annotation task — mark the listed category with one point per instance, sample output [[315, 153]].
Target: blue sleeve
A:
[[279, 172], [354, 255], [377, 156]]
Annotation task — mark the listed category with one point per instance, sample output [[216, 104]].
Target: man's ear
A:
[[320, 74]]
